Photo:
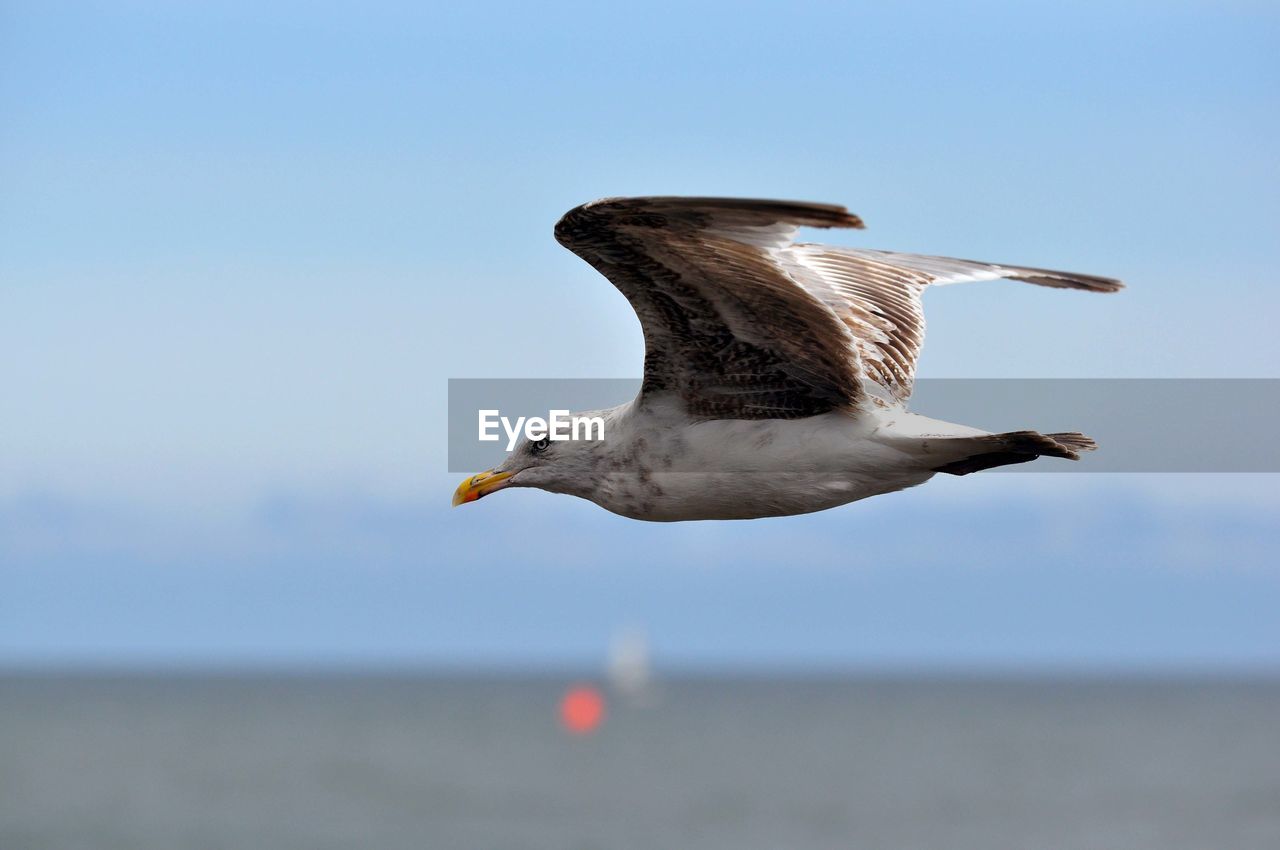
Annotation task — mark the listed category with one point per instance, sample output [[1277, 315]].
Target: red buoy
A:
[[582, 710]]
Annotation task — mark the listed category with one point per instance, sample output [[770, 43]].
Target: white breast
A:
[[741, 469]]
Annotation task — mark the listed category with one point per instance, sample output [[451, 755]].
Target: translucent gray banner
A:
[[1141, 425]]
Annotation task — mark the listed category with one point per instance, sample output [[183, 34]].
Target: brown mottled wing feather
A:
[[727, 330], [877, 295], [741, 323]]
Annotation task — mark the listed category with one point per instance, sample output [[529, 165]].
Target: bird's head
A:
[[558, 466]]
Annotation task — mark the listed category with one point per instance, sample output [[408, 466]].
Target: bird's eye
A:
[[540, 446]]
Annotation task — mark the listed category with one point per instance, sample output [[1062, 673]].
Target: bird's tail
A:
[[992, 450]]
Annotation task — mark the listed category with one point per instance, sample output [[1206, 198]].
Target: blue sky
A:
[[242, 249]]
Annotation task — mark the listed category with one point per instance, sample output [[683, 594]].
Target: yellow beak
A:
[[480, 484]]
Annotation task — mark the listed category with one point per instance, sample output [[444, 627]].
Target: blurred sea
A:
[[422, 762]]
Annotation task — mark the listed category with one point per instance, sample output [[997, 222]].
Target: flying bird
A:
[[776, 373]]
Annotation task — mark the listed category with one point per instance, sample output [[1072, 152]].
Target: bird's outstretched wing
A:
[[740, 322], [876, 294]]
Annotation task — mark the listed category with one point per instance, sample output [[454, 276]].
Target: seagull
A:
[[776, 372]]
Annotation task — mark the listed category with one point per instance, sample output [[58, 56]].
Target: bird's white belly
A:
[[676, 496], [743, 469]]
